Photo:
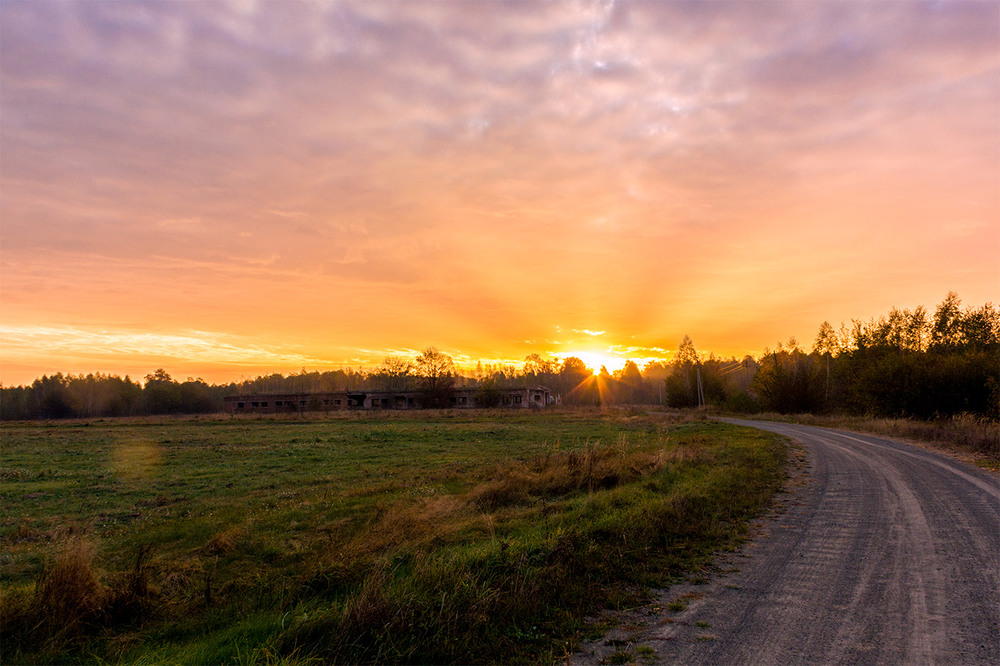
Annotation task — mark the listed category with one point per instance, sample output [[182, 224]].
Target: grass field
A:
[[442, 537]]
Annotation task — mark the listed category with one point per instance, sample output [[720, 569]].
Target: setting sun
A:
[[595, 360]]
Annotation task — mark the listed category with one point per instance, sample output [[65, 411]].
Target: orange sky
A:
[[224, 189]]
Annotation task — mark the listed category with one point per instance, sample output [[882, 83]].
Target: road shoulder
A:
[[679, 617]]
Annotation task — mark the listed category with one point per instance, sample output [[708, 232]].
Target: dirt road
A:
[[881, 553]]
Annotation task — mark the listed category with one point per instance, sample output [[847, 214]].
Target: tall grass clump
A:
[[967, 432], [66, 599], [70, 602]]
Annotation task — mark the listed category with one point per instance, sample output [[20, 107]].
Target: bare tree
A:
[[395, 374], [437, 377]]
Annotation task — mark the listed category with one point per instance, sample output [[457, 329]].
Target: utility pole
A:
[[701, 391], [827, 394]]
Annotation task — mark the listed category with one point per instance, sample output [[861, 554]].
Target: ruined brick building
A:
[[461, 398]]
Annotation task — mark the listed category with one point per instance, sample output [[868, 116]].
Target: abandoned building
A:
[[462, 398]]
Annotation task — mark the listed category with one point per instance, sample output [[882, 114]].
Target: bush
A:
[[741, 403]]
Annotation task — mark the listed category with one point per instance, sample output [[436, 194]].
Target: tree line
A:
[[431, 372], [905, 363]]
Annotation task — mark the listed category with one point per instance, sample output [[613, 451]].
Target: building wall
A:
[[519, 398], [285, 402]]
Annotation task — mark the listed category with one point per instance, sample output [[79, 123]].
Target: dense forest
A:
[[905, 363]]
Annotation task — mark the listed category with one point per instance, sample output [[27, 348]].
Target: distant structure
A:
[[461, 398]]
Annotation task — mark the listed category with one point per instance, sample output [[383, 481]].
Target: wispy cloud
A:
[[193, 345], [374, 174]]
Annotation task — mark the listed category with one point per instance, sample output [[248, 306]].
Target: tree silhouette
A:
[[682, 383], [946, 327], [437, 377], [395, 374]]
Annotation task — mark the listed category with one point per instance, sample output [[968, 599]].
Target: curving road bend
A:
[[884, 554]]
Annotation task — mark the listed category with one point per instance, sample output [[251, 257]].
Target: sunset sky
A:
[[225, 189]]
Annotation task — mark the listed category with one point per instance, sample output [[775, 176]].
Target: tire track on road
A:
[[887, 554]]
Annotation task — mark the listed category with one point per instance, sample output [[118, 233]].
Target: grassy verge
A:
[[974, 436], [422, 538]]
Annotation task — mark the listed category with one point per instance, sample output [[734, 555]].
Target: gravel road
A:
[[879, 553]]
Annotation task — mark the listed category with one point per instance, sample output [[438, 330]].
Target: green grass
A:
[[620, 657], [437, 537]]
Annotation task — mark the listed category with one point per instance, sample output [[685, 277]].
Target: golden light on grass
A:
[[135, 460]]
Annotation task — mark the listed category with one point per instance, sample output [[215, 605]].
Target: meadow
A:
[[423, 537]]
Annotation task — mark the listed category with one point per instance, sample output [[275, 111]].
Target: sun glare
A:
[[595, 360]]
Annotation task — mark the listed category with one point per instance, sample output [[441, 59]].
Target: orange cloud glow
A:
[[232, 188]]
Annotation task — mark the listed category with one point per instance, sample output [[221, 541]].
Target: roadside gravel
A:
[[877, 553]]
